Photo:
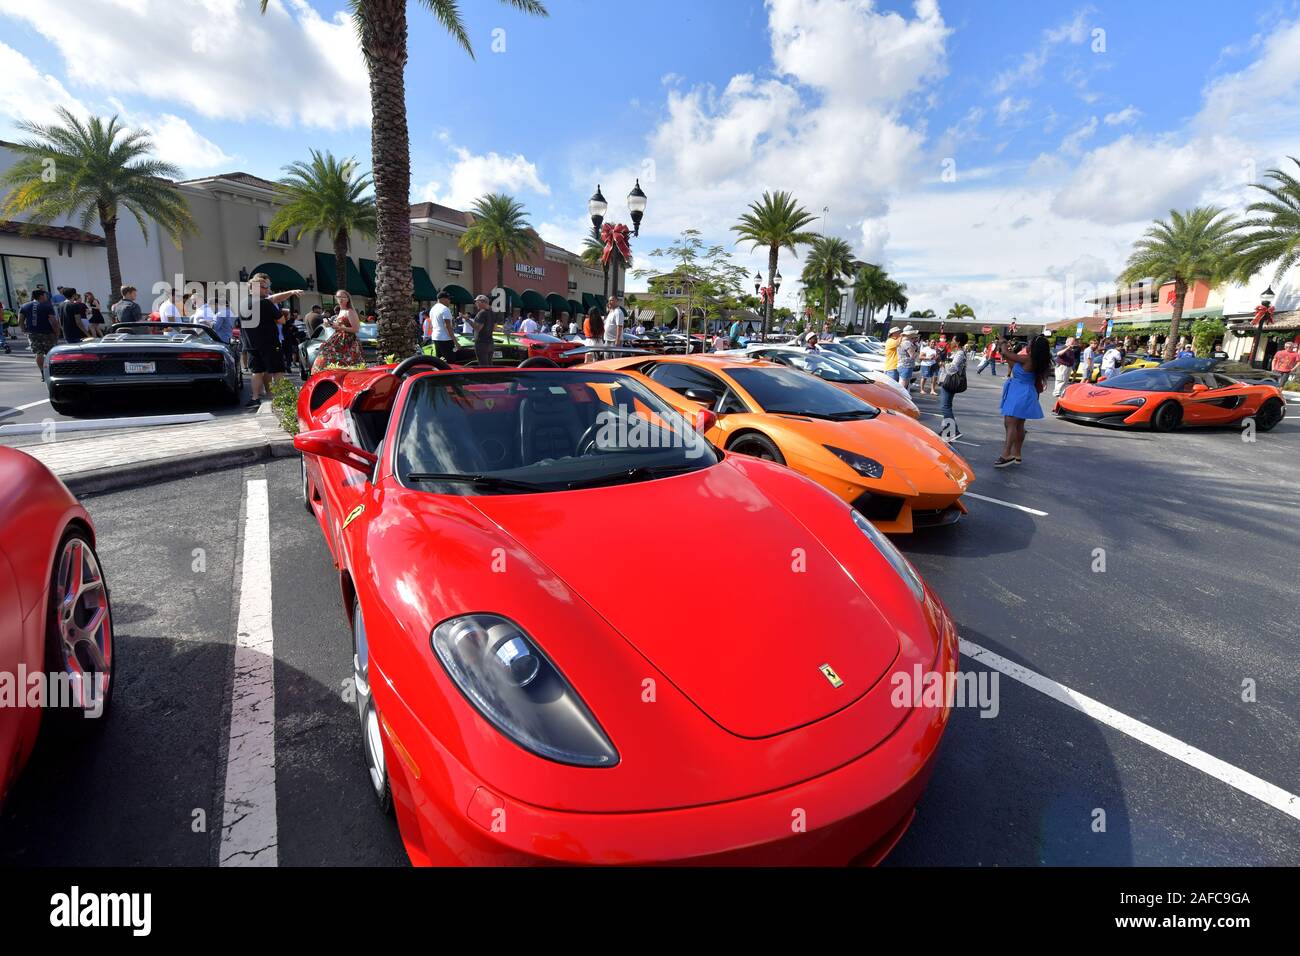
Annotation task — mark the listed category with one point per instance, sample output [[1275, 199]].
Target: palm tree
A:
[[94, 169], [828, 261], [326, 196], [382, 30], [776, 221], [870, 291], [1276, 228], [1200, 244], [500, 228], [959, 310], [896, 298], [926, 314]]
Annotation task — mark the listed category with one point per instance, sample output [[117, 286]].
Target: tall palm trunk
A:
[[773, 252], [1171, 343], [341, 262], [108, 223], [383, 41]]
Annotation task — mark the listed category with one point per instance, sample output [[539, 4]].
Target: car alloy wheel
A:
[[1167, 417], [372, 740], [1269, 414], [757, 446], [82, 625]]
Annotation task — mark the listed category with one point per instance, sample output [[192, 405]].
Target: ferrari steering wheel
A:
[[538, 361], [587, 443], [415, 361]]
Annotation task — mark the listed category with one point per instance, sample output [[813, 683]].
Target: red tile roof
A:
[[433, 210], [56, 233]]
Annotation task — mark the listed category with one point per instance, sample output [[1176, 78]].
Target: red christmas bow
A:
[[1263, 313], [615, 235]]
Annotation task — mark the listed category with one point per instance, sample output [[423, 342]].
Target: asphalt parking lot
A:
[[1195, 606]]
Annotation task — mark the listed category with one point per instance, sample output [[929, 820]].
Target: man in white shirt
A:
[[574, 328], [439, 328], [1110, 361], [614, 320], [529, 325], [203, 313], [167, 311]]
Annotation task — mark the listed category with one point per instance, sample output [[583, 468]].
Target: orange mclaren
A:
[[892, 469]]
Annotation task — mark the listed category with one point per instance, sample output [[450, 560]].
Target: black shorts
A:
[[265, 358], [445, 350]]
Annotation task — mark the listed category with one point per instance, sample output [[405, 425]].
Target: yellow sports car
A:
[[890, 468]]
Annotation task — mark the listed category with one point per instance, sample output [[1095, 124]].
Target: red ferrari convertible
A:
[[1165, 398], [519, 703], [56, 628]]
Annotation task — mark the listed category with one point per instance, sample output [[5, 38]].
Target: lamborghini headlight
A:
[[512, 683], [892, 555], [864, 466]]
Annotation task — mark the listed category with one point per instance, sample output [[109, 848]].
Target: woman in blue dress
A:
[[1029, 370]]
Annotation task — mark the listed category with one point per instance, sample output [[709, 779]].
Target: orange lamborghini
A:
[[892, 469]]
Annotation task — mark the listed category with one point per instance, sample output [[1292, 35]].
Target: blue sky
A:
[[1003, 154]]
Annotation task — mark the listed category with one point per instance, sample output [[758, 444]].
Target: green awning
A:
[[368, 269], [459, 295], [512, 299], [590, 301], [425, 290], [557, 303], [533, 300], [575, 308], [326, 283], [283, 278]]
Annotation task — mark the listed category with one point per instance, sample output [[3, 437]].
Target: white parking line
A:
[[1247, 783], [248, 825], [1007, 504], [22, 408]]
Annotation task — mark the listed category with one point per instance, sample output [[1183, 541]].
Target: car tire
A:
[[372, 734], [1167, 417], [756, 445], [79, 635], [1270, 414], [306, 487]]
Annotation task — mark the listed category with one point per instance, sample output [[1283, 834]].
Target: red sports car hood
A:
[[725, 591]]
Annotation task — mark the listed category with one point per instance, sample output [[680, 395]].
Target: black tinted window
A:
[[1163, 379], [797, 393], [679, 377]]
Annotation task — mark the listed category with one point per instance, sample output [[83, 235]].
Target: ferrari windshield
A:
[[784, 391], [513, 431], [1148, 380]]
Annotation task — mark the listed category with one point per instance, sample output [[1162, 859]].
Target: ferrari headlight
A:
[[1133, 401], [867, 467], [511, 682], [892, 555]]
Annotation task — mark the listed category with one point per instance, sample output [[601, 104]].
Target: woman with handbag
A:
[[952, 381]]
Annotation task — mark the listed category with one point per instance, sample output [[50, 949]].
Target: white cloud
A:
[[176, 141], [1124, 117], [1009, 108], [1262, 101], [474, 175], [1030, 68], [221, 58], [1072, 145], [1135, 179], [30, 96]]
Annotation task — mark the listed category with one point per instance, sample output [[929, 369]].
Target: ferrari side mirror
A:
[[705, 420], [329, 443]]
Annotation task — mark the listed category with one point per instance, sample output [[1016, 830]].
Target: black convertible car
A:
[[142, 356]]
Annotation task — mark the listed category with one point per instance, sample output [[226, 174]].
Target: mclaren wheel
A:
[[1269, 415], [1167, 417]]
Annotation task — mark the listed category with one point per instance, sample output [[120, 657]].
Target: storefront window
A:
[[21, 274]]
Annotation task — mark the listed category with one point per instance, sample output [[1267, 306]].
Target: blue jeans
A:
[[893, 373], [945, 408], [905, 375]]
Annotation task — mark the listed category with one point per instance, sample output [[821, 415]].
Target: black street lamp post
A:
[[1263, 314], [597, 207]]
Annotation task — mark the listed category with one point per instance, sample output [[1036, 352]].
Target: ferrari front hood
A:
[[719, 586]]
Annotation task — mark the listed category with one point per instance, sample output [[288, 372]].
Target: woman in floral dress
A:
[[341, 348]]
